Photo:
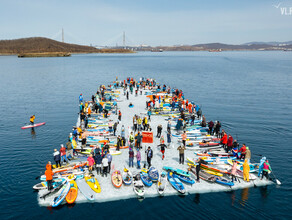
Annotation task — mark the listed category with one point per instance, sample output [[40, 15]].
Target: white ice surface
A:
[[110, 193]]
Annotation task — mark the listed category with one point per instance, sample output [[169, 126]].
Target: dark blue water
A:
[[249, 92]]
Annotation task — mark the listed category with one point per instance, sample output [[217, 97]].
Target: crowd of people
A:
[[100, 158]]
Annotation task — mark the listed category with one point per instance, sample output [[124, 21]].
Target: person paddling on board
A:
[[80, 98], [266, 170], [31, 120]]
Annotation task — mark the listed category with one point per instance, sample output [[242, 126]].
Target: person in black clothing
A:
[[115, 128], [159, 130], [162, 149], [127, 95], [93, 98], [119, 142], [199, 113], [217, 129], [149, 154], [105, 113], [86, 121], [211, 125], [138, 139], [198, 168], [95, 107]]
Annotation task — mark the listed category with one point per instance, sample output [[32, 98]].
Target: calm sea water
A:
[[249, 92]]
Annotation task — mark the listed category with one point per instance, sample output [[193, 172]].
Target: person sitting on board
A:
[[31, 120], [131, 105]]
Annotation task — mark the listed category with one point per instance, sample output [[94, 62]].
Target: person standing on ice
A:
[[120, 116], [131, 157], [57, 158], [159, 130], [139, 140], [109, 158], [198, 167], [49, 175], [181, 150], [184, 138], [98, 159], [123, 135], [131, 140], [261, 165], [149, 113], [246, 170], [127, 95], [168, 137], [234, 170], [149, 154], [115, 127], [138, 156], [105, 166]]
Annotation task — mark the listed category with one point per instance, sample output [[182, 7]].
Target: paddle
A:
[[277, 181]]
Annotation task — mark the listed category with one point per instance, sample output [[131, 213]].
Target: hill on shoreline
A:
[[46, 45]]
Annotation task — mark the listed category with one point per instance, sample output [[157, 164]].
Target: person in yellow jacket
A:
[[32, 118], [246, 169]]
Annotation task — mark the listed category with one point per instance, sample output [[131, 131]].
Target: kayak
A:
[[146, 179], [153, 174], [85, 189], [185, 179], [34, 125], [178, 171], [127, 177], [161, 184], [138, 185], [176, 183], [93, 183], [63, 193], [117, 179]]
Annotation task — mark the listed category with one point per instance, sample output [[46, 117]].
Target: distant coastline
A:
[[44, 47]]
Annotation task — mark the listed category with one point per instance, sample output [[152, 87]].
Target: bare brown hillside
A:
[[45, 45]]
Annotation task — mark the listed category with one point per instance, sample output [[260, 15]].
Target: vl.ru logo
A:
[[284, 10]]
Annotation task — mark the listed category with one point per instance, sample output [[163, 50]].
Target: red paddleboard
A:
[[34, 125]]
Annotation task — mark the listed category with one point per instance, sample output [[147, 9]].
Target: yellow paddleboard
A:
[[93, 183]]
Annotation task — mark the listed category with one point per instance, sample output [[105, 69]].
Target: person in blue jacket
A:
[[80, 98], [261, 166]]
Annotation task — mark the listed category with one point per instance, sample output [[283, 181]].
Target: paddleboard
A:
[[34, 125]]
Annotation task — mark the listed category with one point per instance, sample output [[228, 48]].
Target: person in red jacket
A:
[[242, 151], [224, 141], [49, 175], [229, 143]]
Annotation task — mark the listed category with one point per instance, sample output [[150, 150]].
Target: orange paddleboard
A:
[[72, 195]]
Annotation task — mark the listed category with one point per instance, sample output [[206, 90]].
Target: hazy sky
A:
[[151, 22]]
